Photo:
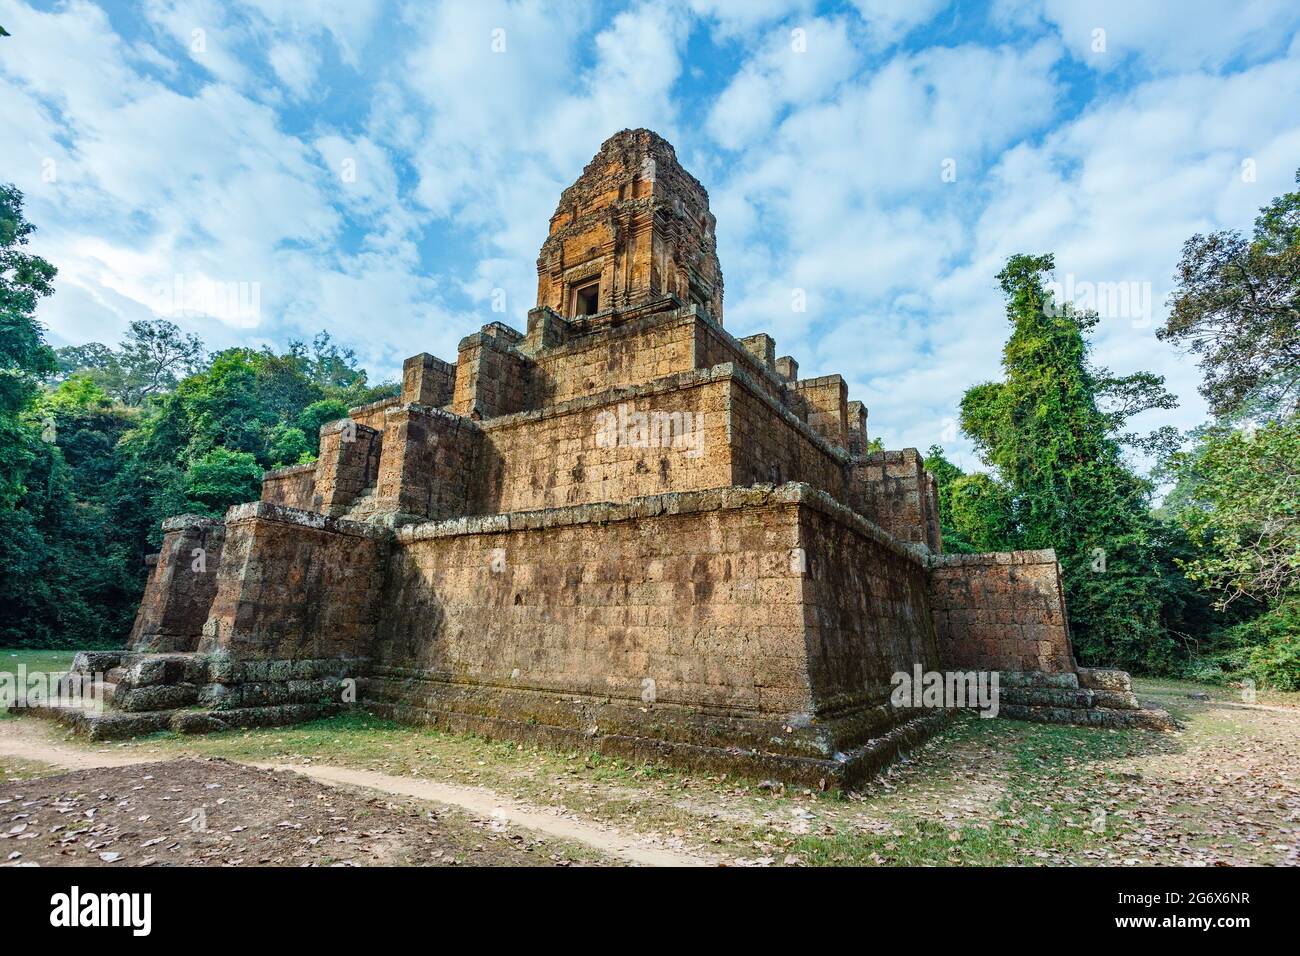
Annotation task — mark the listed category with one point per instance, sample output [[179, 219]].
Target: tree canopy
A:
[[1237, 306]]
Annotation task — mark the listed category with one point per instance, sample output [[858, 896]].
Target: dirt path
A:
[[483, 802], [26, 740], [213, 812]]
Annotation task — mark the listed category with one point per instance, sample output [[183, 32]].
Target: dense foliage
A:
[[1208, 584], [119, 438]]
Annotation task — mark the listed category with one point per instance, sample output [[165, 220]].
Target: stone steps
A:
[[1089, 696], [112, 695], [119, 725]]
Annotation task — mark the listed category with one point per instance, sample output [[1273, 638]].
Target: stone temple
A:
[[623, 529]]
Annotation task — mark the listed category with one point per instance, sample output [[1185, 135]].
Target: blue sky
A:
[[381, 168]]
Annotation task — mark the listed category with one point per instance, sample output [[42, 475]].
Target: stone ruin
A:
[[622, 530]]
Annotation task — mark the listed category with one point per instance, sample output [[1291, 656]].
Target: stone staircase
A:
[[1094, 697], [115, 694]]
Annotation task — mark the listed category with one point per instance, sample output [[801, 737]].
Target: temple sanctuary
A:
[[621, 529]]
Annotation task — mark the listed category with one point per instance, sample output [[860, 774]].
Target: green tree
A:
[[1051, 432], [1237, 306], [24, 356], [64, 580], [974, 510], [979, 509], [317, 414], [287, 445], [223, 410], [153, 357], [1242, 511], [222, 478], [93, 360], [86, 425]]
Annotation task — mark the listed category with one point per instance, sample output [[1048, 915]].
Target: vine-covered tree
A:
[[1051, 431]]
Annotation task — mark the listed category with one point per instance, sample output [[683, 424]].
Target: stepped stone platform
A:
[[622, 529]]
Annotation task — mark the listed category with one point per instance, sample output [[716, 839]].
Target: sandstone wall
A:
[[292, 487], [427, 380], [893, 489], [372, 415], [598, 600], [769, 445], [635, 354], [714, 346], [857, 423], [570, 454], [1000, 612], [348, 464], [869, 608], [827, 402], [492, 377], [430, 465], [181, 586], [294, 585]]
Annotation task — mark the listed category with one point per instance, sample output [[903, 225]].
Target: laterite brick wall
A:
[[1001, 612]]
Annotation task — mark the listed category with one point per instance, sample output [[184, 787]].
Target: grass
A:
[[34, 662], [13, 770], [1169, 690], [50, 662], [1031, 817], [984, 792]]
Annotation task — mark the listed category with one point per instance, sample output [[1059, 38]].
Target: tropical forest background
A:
[[1189, 568]]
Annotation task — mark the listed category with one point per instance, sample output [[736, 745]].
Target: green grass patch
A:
[[32, 662], [1041, 816], [47, 662], [1166, 691]]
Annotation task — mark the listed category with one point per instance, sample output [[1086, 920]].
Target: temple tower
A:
[[634, 229]]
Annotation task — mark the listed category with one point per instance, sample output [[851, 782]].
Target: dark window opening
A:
[[586, 300]]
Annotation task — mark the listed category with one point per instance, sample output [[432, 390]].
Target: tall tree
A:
[[153, 357], [1051, 431], [1237, 305], [1241, 508], [24, 356]]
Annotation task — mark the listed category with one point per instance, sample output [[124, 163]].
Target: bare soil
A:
[[212, 812], [1222, 791]]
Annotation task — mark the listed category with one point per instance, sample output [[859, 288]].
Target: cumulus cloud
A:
[[387, 168], [891, 20], [794, 66], [1164, 34]]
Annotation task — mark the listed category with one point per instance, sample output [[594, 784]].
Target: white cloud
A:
[[741, 17], [295, 65], [201, 30], [888, 21], [1165, 34], [787, 70]]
